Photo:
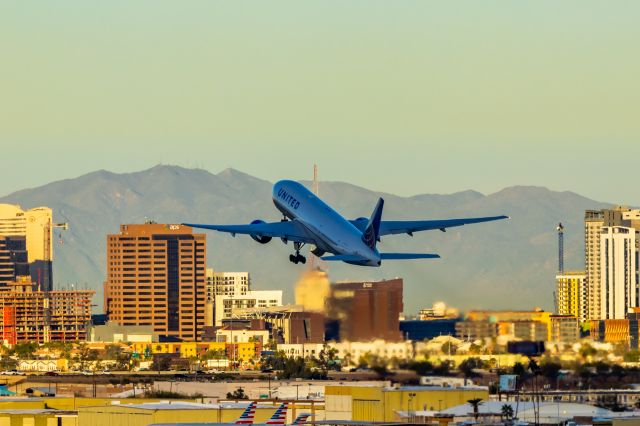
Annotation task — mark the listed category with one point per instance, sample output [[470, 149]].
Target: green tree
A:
[[237, 394], [8, 363], [328, 359], [518, 369], [444, 368], [422, 368], [550, 370], [506, 412], [25, 350], [475, 349], [112, 351], [468, 365]]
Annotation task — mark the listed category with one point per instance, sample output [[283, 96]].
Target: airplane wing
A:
[[388, 227], [290, 230]]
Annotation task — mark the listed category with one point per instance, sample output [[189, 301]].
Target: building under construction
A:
[[32, 315]]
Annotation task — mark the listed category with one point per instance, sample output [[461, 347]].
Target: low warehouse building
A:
[[38, 417], [382, 404], [168, 412]]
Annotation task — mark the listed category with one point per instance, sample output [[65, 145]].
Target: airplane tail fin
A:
[[302, 418], [248, 415], [280, 416], [371, 234]]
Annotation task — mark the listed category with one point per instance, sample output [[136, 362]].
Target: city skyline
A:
[[439, 93], [96, 204]]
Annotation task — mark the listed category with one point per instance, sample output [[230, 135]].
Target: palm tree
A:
[[507, 411], [475, 403]]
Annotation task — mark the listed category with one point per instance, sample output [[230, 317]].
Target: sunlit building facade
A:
[[156, 277], [570, 294], [36, 228]]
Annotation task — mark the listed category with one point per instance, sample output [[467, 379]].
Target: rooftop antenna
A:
[[560, 230], [314, 188]]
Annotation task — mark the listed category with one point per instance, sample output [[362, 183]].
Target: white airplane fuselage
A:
[[333, 233]]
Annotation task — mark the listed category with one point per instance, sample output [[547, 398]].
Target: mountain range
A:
[[505, 264]]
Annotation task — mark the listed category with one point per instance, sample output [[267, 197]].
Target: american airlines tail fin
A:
[[301, 419], [246, 418], [280, 416], [371, 234]]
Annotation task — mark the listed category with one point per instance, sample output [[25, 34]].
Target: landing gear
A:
[[297, 258]]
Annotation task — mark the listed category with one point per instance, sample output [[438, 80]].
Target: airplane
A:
[[309, 220]]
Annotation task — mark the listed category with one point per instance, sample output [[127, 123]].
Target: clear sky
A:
[[401, 96]]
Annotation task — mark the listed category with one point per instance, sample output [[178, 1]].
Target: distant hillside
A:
[[504, 264]]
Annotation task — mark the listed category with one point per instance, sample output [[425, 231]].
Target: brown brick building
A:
[[156, 277], [364, 311]]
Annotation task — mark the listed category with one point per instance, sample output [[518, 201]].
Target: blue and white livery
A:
[[309, 220]]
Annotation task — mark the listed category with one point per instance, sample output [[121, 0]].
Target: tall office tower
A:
[[36, 227], [569, 294], [594, 220], [156, 277], [223, 284], [618, 271], [363, 311]]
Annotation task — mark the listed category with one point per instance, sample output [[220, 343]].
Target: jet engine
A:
[[259, 238]]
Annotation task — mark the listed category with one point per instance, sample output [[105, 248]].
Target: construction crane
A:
[[560, 230], [47, 236]]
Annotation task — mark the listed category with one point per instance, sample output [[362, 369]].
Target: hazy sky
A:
[[402, 96]]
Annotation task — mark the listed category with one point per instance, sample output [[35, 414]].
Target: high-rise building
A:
[[570, 294], [223, 284], [618, 272], [156, 277], [36, 227], [227, 305], [364, 311], [31, 315], [227, 283], [594, 221], [13, 260]]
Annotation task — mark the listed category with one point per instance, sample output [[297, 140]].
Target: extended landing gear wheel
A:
[[297, 258]]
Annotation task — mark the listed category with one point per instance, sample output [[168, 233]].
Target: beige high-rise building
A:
[[34, 224], [594, 221], [618, 276], [36, 228], [312, 290]]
